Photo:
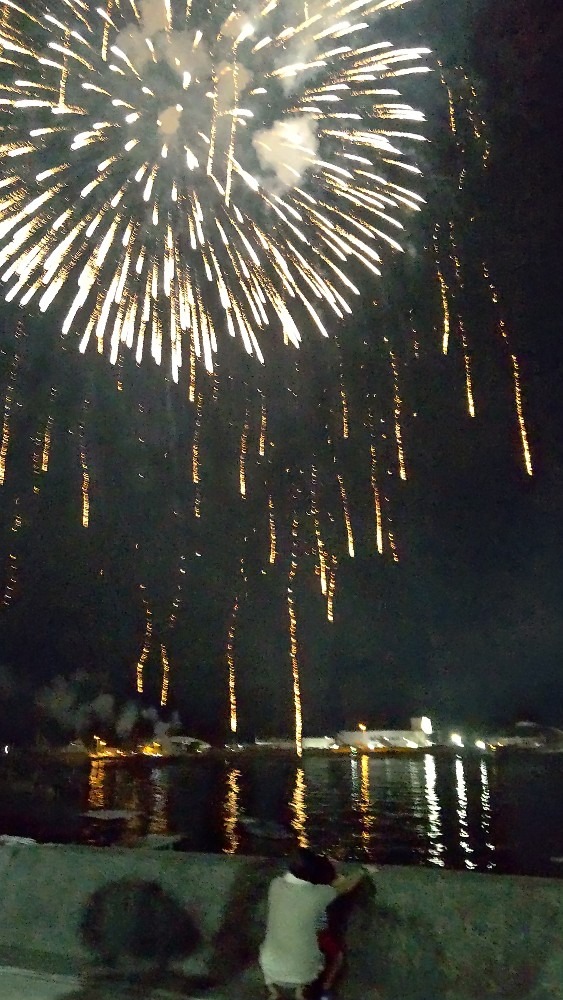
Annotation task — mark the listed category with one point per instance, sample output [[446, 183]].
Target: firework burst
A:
[[169, 173]]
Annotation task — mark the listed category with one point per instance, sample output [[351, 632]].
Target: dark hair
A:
[[311, 867]]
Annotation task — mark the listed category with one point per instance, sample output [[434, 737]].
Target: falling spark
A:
[[165, 675], [391, 533], [272, 526], [320, 546], [47, 436], [177, 599], [468, 375], [480, 130], [344, 404], [37, 451], [526, 451], [345, 424], [331, 589], [397, 414], [231, 664], [347, 520], [144, 652], [263, 424], [242, 458], [443, 294], [12, 573], [8, 400], [377, 501], [446, 312], [85, 489], [520, 413], [293, 645], [191, 390], [195, 456], [451, 103]]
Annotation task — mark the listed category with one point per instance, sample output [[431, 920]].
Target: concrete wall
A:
[[193, 922]]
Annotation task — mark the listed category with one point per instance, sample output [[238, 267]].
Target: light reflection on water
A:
[[461, 789], [486, 811], [158, 820], [231, 811], [96, 798], [298, 803], [456, 812], [436, 847]]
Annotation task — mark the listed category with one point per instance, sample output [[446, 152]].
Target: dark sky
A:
[[469, 624]]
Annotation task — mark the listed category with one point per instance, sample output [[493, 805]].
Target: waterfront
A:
[[484, 813]]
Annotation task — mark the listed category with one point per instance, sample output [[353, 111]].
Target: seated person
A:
[[298, 947]]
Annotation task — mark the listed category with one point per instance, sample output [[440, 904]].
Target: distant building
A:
[[286, 743], [318, 742], [275, 742], [415, 738], [528, 736]]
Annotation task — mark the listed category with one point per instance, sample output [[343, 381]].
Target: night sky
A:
[[467, 625]]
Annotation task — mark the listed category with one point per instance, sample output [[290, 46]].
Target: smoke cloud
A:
[[287, 148], [63, 703], [153, 16]]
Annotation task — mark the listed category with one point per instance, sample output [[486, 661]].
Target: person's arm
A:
[[346, 883]]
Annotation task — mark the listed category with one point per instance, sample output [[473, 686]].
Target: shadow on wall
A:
[[136, 933], [398, 956], [138, 937], [389, 955], [236, 944]]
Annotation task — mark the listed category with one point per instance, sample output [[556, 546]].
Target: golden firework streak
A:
[[293, 644]]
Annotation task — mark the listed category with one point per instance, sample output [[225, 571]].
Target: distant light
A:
[[6, 749], [361, 727], [456, 739], [426, 725], [480, 744]]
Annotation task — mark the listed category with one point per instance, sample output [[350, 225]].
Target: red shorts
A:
[[330, 945]]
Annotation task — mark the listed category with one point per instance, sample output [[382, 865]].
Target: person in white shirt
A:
[[290, 956]]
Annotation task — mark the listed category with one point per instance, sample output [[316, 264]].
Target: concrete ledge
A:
[[192, 924], [21, 984]]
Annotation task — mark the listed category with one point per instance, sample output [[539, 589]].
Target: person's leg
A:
[[300, 993], [273, 991], [332, 971], [333, 954]]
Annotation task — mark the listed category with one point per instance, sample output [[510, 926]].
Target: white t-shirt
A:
[[290, 953]]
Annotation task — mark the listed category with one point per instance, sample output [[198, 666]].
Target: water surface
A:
[[496, 814]]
